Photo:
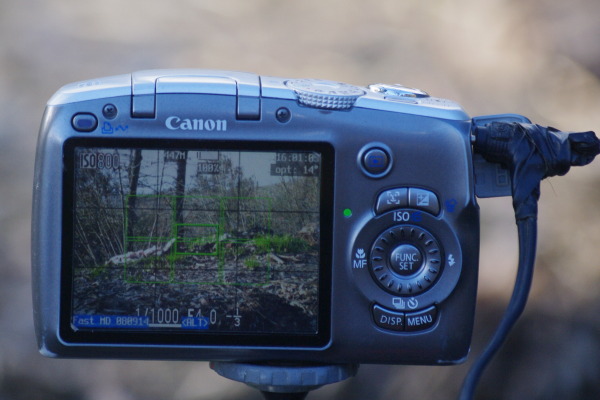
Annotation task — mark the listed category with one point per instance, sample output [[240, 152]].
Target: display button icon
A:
[[399, 303]]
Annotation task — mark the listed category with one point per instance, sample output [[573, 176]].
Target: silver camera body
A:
[[213, 215]]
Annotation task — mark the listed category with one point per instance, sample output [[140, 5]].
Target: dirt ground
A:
[[537, 58]]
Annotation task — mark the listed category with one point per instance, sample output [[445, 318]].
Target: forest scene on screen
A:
[[208, 240]]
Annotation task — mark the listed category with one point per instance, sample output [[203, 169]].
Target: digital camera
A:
[[212, 215]]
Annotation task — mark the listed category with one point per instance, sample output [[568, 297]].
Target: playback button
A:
[[375, 161]]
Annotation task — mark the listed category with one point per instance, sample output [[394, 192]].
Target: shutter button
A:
[[397, 91]]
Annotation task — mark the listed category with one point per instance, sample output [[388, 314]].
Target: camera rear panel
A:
[[207, 215]]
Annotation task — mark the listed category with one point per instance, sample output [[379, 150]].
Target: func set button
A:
[[404, 322]]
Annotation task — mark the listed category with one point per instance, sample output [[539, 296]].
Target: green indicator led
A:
[[347, 212]]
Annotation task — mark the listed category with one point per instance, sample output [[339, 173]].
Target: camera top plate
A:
[[143, 86]]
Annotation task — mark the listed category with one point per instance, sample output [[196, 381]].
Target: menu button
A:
[[421, 320]]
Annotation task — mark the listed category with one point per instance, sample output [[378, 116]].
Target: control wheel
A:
[[406, 260]]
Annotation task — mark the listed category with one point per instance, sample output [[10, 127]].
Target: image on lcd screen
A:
[[213, 241]]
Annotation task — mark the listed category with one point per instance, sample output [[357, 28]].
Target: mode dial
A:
[[325, 94]]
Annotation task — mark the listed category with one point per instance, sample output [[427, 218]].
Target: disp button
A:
[[387, 319]]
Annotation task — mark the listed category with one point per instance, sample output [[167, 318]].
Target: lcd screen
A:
[[210, 240]]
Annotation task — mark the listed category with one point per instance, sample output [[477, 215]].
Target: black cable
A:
[[530, 153], [527, 230]]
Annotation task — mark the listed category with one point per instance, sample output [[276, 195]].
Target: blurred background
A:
[[540, 58]]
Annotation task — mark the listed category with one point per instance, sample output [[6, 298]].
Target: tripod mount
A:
[[284, 381]]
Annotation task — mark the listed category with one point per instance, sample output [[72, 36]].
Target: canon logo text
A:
[[200, 124]]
